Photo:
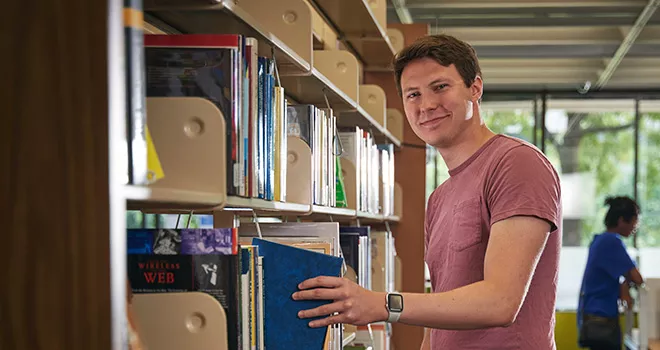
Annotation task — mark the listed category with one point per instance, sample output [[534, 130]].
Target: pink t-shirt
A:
[[504, 178]]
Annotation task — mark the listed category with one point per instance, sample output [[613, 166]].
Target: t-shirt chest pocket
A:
[[466, 224]]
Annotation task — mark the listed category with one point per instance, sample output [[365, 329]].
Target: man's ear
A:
[[477, 89]]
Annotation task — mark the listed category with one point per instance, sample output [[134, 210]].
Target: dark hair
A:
[[621, 206], [446, 50]]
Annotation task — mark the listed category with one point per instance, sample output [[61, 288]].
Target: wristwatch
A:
[[394, 305]]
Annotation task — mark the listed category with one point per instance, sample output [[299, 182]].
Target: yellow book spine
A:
[[154, 168]]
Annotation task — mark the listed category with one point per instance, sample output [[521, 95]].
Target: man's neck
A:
[[616, 230], [466, 146]]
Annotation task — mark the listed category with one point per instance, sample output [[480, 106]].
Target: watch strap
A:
[[393, 316]]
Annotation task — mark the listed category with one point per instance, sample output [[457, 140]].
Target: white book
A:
[[260, 304], [245, 311]]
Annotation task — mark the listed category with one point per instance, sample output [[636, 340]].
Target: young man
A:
[[493, 229]]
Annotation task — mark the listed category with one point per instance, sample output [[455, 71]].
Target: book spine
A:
[[277, 160], [245, 121], [245, 297], [253, 118], [284, 146], [260, 128], [271, 153], [269, 130], [136, 119], [233, 273]]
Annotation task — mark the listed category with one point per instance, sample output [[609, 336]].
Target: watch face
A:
[[395, 302]]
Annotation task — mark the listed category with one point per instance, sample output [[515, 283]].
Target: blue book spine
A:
[[271, 143], [269, 131], [260, 128]]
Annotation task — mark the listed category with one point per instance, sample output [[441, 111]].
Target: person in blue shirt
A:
[[609, 274]]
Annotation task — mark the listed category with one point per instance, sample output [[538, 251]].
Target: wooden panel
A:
[[386, 81], [410, 164], [411, 31], [55, 194], [357, 23], [654, 344], [410, 172], [287, 30], [372, 99]]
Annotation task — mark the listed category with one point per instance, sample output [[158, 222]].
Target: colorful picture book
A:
[[186, 260]]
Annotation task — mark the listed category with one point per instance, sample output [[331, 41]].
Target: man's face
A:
[[437, 102], [631, 227]]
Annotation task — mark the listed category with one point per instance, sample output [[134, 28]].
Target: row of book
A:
[[227, 70], [253, 278], [374, 166], [317, 127]]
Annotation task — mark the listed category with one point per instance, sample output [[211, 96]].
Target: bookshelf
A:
[[184, 129], [363, 29], [146, 198], [308, 76], [342, 212], [286, 28], [85, 194], [260, 205], [316, 88]]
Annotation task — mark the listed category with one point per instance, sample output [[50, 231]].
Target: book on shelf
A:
[[374, 170], [227, 70], [321, 237], [340, 187], [186, 260], [202, 66], [356, 246], [251, 298], [386, 187], [154, 167], [251, 278], [135, 147], [382, 271], [283, 271], [317, 127]]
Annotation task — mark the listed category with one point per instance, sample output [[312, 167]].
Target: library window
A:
[[648, 187]]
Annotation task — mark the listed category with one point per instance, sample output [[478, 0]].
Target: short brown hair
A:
[[446, 50]]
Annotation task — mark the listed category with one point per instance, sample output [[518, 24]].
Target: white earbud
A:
[[469, 112]]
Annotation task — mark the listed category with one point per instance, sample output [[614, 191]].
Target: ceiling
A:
[[554, 45]]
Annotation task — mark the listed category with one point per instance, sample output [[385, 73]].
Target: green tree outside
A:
[[137, 219], [603, 144]]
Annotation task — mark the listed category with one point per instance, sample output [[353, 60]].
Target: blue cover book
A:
[[284, 268]]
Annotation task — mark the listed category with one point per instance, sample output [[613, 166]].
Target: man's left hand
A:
[[351, 304]]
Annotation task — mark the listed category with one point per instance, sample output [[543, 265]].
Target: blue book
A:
[[284, 268]]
